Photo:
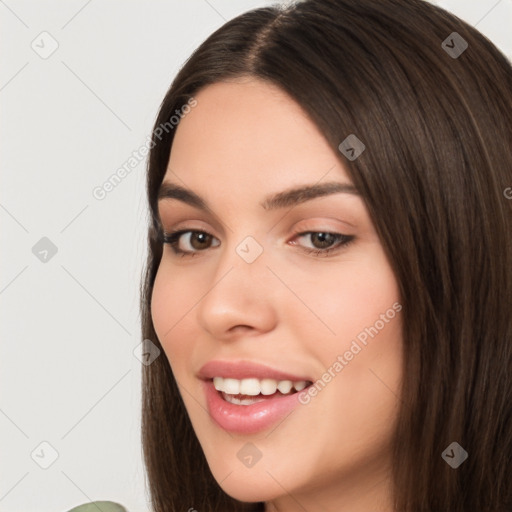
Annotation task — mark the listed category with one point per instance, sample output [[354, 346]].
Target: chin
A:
[[242, 486]]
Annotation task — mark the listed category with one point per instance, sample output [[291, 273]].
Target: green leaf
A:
[[99, 506]]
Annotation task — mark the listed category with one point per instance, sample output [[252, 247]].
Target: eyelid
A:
[[173, 237], [180, 217]]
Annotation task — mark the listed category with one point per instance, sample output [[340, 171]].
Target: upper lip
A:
[[245, 370]]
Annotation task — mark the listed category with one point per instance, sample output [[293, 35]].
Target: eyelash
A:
[[173, 237]]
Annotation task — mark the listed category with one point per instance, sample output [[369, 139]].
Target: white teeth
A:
[[231, 386], [285, 386], [268, 386], [241, 401], [249, 387], [253, 387], [299, 386]]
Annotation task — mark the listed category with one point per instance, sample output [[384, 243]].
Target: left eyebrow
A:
[[305, 193], [282, 199]]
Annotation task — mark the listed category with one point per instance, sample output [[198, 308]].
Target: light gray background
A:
[[69, 325]]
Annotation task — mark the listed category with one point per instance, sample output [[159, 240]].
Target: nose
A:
[[241, 297]]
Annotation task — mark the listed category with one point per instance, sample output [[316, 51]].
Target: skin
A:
[[291, 310]]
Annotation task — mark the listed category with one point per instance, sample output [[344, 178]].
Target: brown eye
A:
[[323, 243], [199, 240], [324, 239], [189, 241]]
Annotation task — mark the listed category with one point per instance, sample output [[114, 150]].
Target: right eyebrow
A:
[[283, 199]]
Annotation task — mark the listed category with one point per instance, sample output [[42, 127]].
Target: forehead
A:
[[249, 133]]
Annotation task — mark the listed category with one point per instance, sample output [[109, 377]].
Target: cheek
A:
[[170, 302], [347, 299], [359, 345]]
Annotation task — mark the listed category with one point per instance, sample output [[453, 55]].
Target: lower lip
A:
[[248, 419]]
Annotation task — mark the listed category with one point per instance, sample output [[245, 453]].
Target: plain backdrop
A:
[[80, 86]]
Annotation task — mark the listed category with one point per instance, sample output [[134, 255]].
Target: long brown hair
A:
[[435, 177]]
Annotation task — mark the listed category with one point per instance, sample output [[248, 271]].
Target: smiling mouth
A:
[[251, 391]]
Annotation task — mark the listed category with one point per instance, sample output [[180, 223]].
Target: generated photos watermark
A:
[[344, 359], [100, 192]]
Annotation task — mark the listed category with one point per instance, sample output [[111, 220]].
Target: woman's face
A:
[[248, 289]]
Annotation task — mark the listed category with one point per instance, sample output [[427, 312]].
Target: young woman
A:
[[329, 273]]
